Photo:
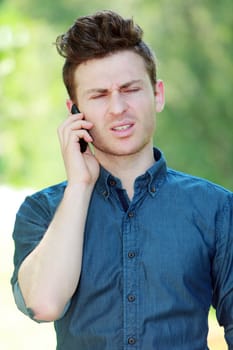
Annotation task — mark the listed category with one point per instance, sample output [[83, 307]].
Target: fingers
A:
[[73, 129]]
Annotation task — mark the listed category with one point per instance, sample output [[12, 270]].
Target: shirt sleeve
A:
[[223, 270], [32, 221]]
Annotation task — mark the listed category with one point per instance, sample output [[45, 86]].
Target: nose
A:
[[117, 104]]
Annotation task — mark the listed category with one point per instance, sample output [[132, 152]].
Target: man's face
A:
[[116, 95]]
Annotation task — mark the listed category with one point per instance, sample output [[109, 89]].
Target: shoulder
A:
[[51, 192], [45, 200], [181, 178], [198, 187]]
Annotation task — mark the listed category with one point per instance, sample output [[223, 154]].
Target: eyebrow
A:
[[123, 86]]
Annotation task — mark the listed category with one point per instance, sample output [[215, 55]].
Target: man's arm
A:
[[222, 271], [49, 275]]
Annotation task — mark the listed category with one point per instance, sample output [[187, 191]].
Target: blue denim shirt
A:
[[151, 267]]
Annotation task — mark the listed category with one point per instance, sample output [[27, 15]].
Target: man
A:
[[127, 254]]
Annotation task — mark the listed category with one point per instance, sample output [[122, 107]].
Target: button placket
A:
[[130, 278]]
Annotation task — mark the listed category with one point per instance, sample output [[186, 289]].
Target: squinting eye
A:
[[132, 89], [95, 97]]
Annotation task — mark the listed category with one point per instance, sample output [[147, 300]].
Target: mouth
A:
[[122, 127], [123, 130]]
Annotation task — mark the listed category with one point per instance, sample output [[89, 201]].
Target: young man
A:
[[127, 254]]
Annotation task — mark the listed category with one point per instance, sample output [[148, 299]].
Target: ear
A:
[[69, 104], [159, 96]]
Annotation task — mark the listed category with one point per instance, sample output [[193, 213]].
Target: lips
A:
[[122, 127]]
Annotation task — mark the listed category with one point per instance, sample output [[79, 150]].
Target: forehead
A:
[[116, 68]]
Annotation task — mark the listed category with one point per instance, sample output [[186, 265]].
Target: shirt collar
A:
[[157, 173], [152, 178]]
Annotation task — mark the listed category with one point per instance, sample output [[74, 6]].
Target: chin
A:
[[121, 150]]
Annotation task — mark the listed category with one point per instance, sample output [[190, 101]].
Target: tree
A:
[[193, 42]]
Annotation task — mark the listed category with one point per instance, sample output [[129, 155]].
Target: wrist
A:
[[78, 188]]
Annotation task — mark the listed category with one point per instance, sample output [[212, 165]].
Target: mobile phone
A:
[[83, 143]]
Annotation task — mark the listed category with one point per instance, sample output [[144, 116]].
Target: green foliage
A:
[[198, 68], [193, 43]]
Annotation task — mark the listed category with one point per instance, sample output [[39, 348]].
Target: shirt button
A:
[[112, 183], [131, 297], [131, 214], [131, 341], [131, 255], [153, 189]]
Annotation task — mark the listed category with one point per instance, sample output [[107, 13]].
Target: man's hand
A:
[[80, 167]]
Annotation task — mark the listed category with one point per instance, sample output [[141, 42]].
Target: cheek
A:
[[96, 130], [150, 120], [150, 126]]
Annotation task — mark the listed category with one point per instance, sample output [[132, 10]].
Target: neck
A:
[[127, 167]]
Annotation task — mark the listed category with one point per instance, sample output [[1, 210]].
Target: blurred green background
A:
[[192, 40]]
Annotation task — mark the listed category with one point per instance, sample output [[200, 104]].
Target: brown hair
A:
[[97, 36]]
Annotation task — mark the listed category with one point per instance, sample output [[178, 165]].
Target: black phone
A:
[[83, 143]]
